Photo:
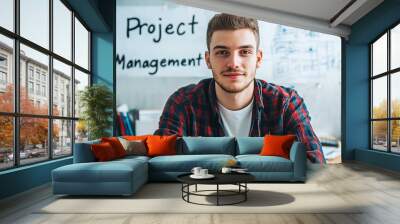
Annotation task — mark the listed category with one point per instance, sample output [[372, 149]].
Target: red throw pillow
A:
[[103, 151], [277, 145], [161, 145], [116, 145]]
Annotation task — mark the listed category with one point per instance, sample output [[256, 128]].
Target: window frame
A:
[[388, 74], [16, 115]]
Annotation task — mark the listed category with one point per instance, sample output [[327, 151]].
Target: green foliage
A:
[[96, 102]]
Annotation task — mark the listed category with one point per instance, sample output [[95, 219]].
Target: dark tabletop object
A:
[[220, 178]]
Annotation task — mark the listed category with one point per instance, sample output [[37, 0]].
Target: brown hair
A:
[[231, 22]]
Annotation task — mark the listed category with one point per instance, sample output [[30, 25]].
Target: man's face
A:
[[233, 59]]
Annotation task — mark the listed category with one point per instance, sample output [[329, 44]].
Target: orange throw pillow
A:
[[161, 145], [116, 145], [103, 152], [277, 145], [134, 137]]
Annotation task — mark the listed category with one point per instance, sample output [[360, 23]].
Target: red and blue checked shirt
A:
[[192, 111]]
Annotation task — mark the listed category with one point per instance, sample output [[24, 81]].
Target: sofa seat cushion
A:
[[112, 171], [185, 163], [257, 163]]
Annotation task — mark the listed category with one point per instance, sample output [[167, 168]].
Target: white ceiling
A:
[[316, 15]]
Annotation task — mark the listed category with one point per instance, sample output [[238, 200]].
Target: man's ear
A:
[[207, 58], [259, 58]]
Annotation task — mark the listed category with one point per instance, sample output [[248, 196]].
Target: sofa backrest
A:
[[249, 145], [83, 152], [191, 146], [206, 145]]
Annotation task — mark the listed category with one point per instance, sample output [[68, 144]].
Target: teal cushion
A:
[[257, 163], [249, 145], [207, 145], [185, 163], [111, 171]]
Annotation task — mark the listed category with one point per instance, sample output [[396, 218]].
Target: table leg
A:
[[217, 194], [196, 188], [245, 191]]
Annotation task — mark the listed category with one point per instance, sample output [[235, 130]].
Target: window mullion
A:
[[16, 69], [73, 82], [389, 76], [50, 87]]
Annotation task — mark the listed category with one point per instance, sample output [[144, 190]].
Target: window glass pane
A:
[[395, 135], [379, 135], [35, 21], [62, 29], [34, 97], [7, 14], [379, 55], [6, 142], [81, 131], [33, 139], [62, 136], [6, 74], [395, 94], [379, 97], [62, 89], [395, 47], [81, 81], [81, 45]]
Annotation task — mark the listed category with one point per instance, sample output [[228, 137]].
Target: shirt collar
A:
[[257, 95]]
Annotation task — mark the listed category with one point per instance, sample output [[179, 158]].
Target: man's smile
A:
[[233, 75]]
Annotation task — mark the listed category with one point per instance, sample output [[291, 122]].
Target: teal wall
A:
[[356, 84], [99, 15], [24, 178], [102, 63]]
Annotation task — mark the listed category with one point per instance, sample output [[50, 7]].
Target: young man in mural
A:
[[234, 102]]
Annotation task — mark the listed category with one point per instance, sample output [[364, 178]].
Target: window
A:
[[30, 72], [3, 78], [44, 91], [81, 45], [3, 72], [3, 61], [385, 94], [30, 87], [38, 89], [37, 75], [54, 125]]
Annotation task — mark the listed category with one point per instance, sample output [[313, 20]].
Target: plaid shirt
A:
[[192, 111]]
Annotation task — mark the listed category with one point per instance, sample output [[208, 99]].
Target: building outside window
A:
[[58, 134]]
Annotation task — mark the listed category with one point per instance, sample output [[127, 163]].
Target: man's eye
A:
[[222, 53], [246, 52]]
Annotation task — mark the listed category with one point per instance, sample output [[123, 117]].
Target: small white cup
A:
[[203, 172], [196, 170], [226, 170]]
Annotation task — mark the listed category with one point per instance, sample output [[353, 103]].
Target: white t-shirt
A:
[[236, 122]]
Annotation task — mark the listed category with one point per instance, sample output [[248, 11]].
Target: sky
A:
[[35, 27]]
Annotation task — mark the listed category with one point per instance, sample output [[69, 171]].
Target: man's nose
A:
[[234, 61]]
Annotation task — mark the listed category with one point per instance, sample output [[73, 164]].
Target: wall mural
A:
[[161, 45]]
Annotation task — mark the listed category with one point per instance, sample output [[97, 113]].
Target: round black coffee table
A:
[[238, 179]]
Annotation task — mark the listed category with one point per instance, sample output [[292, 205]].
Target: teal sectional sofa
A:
[[125, 176]]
